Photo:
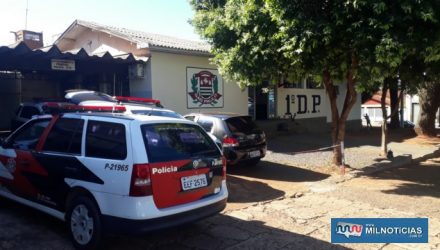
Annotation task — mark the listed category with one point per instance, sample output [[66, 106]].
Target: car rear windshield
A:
[[241, 124], [157, 112], [91, 96], [177, 141]]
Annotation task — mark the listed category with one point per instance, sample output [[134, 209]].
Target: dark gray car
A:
[[241, 140]]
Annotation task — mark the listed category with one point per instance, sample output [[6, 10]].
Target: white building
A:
[[310, 104], [177, 72], [372, 107]]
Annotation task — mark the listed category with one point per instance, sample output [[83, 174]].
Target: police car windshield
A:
[[176, 141]]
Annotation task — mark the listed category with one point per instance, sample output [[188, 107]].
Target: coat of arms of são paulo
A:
[[205, 88]]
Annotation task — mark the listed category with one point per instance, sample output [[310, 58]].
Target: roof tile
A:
[[144, 39]]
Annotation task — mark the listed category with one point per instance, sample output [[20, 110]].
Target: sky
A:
[[52, 17]]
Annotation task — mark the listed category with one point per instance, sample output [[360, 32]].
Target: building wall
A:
[[169, 84], [355, 112], [312, 103], [166, 79], [9, 99], [375, 114], [412, 109], [32, 89], [141, 86]]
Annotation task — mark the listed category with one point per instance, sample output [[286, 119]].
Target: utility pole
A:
[[25, 23]]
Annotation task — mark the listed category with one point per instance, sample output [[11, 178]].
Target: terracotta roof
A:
[[375, 99], [144, 39]]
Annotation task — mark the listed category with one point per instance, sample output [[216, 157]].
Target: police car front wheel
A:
[[84, 223]]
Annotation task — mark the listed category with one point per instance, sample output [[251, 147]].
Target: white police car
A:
[[113, 173], [132, 105]]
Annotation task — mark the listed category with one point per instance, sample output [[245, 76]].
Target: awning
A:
[[19, 56]]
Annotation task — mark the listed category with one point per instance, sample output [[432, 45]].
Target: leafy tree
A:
[[360, 43]]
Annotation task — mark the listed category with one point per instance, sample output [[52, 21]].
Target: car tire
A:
[[84, 223]]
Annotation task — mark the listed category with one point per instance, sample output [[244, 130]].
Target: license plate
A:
[[254, 154], [193, 182]]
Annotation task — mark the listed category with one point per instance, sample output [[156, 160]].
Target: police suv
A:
[[113, 173]]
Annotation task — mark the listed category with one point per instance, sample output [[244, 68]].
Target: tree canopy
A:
[[259, 39], [356, 42]]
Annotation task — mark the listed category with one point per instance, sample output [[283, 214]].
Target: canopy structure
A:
[[20, 57]]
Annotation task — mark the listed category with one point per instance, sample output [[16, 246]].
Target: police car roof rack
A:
[[139, 100], [65, 107]]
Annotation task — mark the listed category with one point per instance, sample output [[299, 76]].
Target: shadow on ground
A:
[[275, 171], [221, 232], [24, 228], [312, 141], [243, 191], [418, 180]]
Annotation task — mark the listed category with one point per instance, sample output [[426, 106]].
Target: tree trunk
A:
[[394, 103], [384, 137], [429, 99], [339, 121], [332, 96]]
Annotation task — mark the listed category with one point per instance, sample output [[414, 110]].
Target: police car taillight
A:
[[230, 142], [140, 180]]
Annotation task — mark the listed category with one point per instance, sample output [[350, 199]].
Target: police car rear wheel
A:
[[84, 223]]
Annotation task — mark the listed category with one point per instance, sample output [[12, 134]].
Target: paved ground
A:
[[278, 205]]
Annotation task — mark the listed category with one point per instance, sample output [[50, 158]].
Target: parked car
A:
[[408, 124], [133, 105], [113, 173], [241, 140], [26, 111]]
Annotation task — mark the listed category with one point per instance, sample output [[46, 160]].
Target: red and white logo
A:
[[205, 87]]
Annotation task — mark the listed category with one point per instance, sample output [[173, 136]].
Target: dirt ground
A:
[[271, 180], [415, 187], [271, 206]]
